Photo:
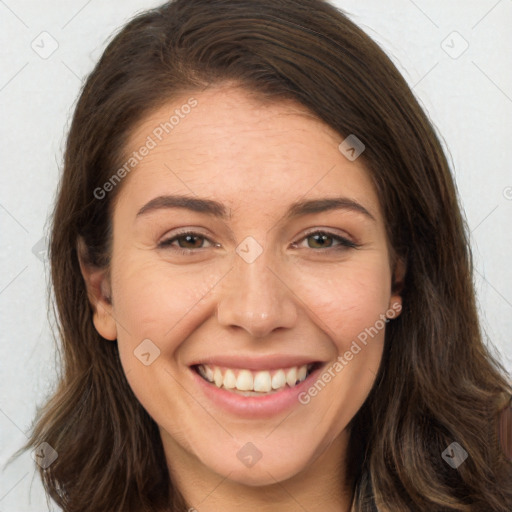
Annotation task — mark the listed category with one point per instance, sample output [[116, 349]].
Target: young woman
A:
[[263, 280]]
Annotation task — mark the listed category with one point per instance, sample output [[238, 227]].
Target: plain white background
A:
[[455, 54]]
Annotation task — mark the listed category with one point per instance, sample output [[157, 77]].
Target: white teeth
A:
[[209, 373], [217, 377], [260, 382], [291, 376], [302, 373], [244, 381], [278, 380], [229, 379]]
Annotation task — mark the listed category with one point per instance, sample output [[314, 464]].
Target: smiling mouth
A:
[[255, 383]]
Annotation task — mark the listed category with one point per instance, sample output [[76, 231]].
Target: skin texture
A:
[[307, 299]]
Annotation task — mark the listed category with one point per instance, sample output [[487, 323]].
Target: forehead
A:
[[235, 148]]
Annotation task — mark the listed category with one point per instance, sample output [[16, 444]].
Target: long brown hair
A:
[[437, 383]]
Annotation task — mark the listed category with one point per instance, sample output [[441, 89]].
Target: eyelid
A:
[[166, 242], [344, 241], [330, 232]]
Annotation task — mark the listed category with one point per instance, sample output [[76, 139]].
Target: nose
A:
[[257, 297]]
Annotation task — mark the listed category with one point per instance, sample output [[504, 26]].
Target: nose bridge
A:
[[253, 295]]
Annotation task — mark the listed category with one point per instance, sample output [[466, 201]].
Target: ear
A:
[[97, 281], [397, 286]]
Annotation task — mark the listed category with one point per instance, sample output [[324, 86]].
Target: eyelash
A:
[[344, 243]]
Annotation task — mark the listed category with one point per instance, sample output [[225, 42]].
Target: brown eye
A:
[[321, 240], [187, 242], [190, 239], [326, 240]]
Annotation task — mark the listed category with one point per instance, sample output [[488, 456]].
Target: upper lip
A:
[[270, 362]]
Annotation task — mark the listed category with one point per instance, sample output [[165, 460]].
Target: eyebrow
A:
[[211, 207]]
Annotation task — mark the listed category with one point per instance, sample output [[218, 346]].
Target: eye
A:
[[322, 238], [189, 238], [194, 241]]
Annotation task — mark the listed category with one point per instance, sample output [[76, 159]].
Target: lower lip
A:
[[264, 406]]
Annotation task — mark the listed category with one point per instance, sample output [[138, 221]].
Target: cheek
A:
[[153, 297], [346, 300], [349, 303], [164, 304]]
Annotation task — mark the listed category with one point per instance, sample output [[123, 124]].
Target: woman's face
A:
[[262, 290]]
